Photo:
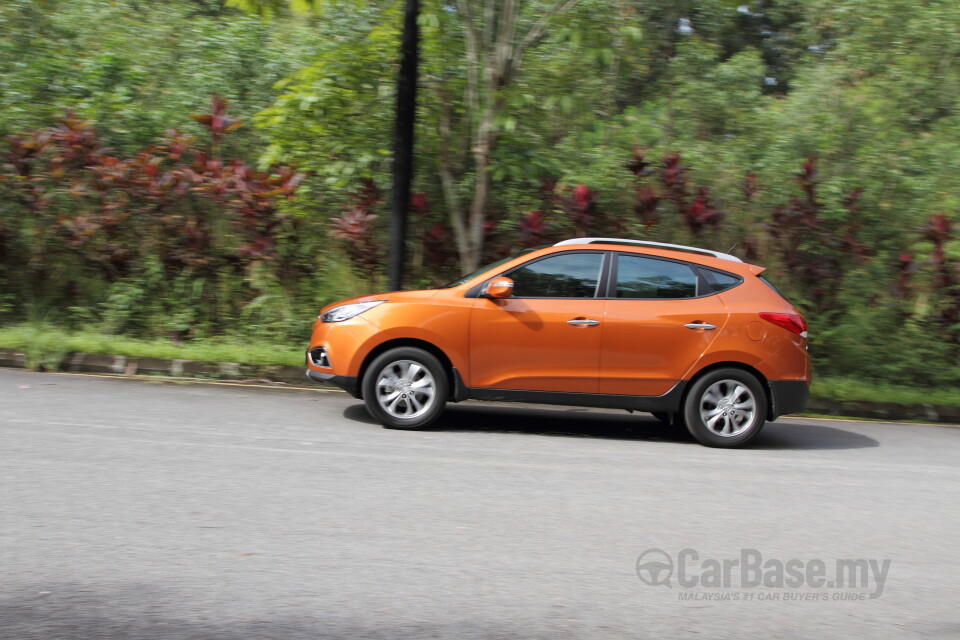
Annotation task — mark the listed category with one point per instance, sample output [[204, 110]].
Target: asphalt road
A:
[[133, 509]]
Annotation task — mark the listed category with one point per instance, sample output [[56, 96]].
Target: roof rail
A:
[[648, 243]]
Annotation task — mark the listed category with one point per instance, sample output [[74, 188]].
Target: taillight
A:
[[789, 321]]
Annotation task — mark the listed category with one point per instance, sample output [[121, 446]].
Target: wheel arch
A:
[[762, 379], [429, 347]]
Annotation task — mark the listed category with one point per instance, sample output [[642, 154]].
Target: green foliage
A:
[[854, 389], [177, 236], [332, 117], [46, 344], [865, 238], [135, 67]]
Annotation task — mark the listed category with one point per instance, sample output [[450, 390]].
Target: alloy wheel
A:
[[728, 408], [405, 389]]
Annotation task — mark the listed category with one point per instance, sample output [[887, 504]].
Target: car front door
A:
[[546, 337], [658, 322]]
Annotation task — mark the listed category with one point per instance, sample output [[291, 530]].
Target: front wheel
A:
[[405, 388], [725, 408]]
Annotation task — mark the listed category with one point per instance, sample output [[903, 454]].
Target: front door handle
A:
[[700, 325], [583, 322]]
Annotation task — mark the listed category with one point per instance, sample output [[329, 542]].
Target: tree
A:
[[496, 39], [472, 75]]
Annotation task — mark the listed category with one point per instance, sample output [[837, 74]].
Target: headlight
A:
[[347, 311]]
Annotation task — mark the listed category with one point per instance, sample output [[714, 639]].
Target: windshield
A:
[[492, 265]]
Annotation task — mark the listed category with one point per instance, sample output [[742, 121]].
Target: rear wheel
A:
[[405, 388], [725, 408]]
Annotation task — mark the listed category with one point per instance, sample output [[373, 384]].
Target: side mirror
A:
[[499, 288]]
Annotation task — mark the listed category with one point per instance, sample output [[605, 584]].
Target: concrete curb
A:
[[884, 410], [237, 372], [168, 368], [12, 359]]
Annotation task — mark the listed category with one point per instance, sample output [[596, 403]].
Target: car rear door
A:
[[657, 324]]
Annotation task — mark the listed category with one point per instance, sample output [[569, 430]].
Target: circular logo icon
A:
[[654, 567]]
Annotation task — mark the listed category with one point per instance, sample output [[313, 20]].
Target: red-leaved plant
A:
[[176, 201], [946, 272], [356, 230], [691, 202], [817, 251]]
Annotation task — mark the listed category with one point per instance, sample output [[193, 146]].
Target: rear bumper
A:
[[347, 383], [787, 396]]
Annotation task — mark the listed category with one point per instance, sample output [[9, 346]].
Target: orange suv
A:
[[693, 336]]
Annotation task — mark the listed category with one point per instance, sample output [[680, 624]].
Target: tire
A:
[[725, 408], [405, 388]]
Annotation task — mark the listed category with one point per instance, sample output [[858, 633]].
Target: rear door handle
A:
[[583, 322], [700, 325]]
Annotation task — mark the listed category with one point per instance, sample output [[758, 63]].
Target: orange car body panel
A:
[[639, 347], [647, 348], [410, 315], [543, 352]]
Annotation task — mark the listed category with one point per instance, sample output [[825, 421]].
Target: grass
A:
[[46, 345], [859, 390]]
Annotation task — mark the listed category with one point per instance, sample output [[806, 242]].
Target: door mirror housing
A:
[[499, 287]]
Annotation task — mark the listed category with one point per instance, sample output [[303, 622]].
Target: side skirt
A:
[[667, 403]]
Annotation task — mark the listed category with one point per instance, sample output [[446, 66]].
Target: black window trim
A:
[[702, 268], [602, 282], [607, 284], [702, 284]]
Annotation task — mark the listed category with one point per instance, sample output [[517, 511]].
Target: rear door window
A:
[[648, 278]]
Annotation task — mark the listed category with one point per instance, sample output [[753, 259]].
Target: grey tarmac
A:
[[143, 509]]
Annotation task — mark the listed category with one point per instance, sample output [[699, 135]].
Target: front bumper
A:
[[347, 383]]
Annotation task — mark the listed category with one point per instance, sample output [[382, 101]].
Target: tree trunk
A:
[[448, 183], [494, 50]]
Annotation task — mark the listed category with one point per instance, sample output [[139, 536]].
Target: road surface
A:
[[136, 509]]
